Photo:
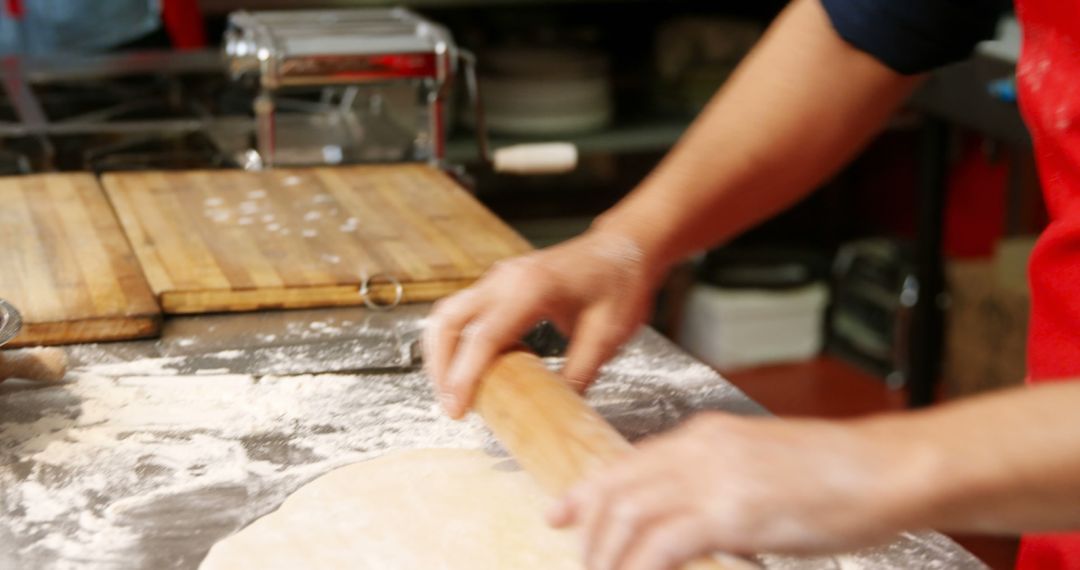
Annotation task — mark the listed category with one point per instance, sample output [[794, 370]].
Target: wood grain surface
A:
[[235, 241], [66, 265], [554, 435], [547, 426]]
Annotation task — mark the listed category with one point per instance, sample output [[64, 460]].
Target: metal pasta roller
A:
[[367, 85]]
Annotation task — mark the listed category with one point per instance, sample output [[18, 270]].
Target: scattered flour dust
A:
[[134, 465], [109, 470]]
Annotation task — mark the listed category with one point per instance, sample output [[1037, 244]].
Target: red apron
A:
[[1049, 85]]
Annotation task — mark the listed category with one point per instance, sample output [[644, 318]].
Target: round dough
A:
[[426, 509]]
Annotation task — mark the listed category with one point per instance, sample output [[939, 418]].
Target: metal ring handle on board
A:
[[365, 292], [10, 321]]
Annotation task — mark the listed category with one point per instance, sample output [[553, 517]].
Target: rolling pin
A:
[[37, 364], [554, 435], [536, 158]]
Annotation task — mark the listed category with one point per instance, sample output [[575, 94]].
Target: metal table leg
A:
[[927, 327]]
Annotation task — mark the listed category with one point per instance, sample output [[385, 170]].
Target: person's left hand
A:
[[745, 485]]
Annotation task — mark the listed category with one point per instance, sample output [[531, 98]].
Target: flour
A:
[[145, 463], [145, 367], [113, 459], [351, 224], [317, 329], [131, 453]]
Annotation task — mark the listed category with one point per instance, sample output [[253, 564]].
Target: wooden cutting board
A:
[[234, 241], [66, 265]]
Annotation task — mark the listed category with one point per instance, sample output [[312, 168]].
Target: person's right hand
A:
[[596, 289]]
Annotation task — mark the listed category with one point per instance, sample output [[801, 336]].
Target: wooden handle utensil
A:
[[553, 434], [39, 364]]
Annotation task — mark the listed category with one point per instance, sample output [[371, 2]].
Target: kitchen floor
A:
[[830, 388]]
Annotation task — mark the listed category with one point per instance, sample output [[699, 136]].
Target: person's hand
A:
[[596, 289], [742, 485]]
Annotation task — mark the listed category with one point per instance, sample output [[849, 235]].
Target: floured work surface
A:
[[228, 240], [66, 265], [156, 452]]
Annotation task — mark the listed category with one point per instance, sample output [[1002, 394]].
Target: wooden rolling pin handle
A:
[[39, 364], [536, 158], [553, 434]]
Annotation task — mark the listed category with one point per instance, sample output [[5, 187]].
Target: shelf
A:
[[550, 231], [214, 7], [646, 136]]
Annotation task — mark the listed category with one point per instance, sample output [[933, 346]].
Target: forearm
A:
[[1008, 462], [797, 109]]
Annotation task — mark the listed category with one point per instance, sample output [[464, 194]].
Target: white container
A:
[[738, 328]]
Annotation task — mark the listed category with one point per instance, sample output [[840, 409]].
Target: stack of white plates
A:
[[737, 328], [545, 92]]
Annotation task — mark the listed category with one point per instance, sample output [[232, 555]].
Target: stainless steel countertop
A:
[[152, 451]]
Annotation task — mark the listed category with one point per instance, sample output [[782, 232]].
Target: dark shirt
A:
[[913, 36]]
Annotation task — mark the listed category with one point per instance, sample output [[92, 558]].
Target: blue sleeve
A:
[[913, 36]]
